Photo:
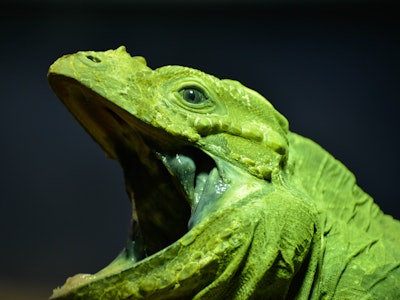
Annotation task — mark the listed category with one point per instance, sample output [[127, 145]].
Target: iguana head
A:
[[182, 137]]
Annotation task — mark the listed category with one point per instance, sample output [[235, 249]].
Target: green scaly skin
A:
[[228, 203]]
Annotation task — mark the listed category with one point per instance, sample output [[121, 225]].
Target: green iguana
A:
[[227, 202]]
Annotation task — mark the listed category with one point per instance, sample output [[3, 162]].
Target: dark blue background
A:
[[332, 70]]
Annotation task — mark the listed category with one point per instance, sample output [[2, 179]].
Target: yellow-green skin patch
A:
[[294, 224]]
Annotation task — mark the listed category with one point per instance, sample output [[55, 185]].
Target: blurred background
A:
[[331, 67]]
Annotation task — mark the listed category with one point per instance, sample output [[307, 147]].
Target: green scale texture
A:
[[283, 218]]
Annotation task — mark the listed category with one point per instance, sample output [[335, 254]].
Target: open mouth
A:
[[171, 183]]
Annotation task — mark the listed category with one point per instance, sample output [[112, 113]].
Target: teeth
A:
[[72, 283]]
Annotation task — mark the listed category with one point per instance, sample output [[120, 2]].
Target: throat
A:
[[160, 212]]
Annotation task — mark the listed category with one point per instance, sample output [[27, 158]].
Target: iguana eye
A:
[[193, 95]]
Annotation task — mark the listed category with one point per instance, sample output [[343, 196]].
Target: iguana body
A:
[[228, 203]]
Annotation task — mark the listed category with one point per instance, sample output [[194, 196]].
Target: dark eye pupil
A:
[[193, 96]]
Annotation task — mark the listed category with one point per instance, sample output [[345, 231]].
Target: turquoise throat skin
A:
[[228, 203]]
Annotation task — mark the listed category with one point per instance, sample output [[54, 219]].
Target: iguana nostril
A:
[[93, 58]]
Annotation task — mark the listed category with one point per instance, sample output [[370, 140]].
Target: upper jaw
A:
[[171, 183]]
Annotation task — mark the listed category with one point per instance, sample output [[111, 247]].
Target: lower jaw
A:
[[205, 192], [125, 260]]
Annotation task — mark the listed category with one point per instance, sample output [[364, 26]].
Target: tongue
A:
[[184, 168], [209, 189], [202, 197]]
